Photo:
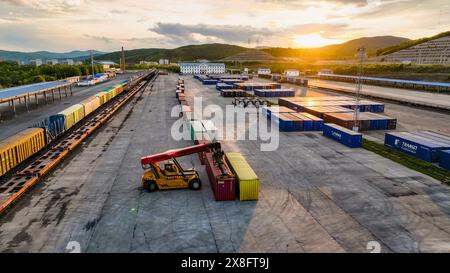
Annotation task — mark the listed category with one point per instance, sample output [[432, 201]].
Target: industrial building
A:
[[164, 61], [36, 62], [202, 68], [432, 52], [52, 62], [264, 71], [291, 73]]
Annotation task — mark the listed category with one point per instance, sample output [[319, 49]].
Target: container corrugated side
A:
[[72, 115], [444, 159], [91, 104], [422, 148], [342, 135], [222, 184], [248, 181]]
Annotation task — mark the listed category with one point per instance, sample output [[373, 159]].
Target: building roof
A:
[[198, 64], [19, 91]]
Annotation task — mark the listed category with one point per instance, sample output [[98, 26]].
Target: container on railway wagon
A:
[[444, 159], [222, 181], [275, 92], [223, 86], [342, 135], [103, 96], [72, 115], [53, 126], [19, 147], [247, 187], [209, 82], [423, 148], [90, 104], [320, 110]]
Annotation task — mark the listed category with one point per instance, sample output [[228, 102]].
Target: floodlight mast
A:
[[361, 55]]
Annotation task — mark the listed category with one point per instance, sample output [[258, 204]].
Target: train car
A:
[[53, 126], [72, 115], [91, 104], [19, 147], [103, 97]]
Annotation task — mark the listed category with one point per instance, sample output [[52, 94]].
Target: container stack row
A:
[[233, 93], [250, 86], [289, 92], [299, 104]]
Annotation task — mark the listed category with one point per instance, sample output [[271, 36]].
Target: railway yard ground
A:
[[316, 195]]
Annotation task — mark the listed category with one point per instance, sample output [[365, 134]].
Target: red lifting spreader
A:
[[214, 147]]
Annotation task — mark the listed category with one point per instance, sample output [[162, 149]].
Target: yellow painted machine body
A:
[[248, 182], [19, 147], [172, 177]]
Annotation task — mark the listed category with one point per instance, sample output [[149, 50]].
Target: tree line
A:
[[12, 74]]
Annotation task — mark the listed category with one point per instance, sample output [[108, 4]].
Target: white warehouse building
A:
[[202, 68]]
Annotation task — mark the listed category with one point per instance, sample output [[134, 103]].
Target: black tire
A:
[[150, 186], [195, 184]]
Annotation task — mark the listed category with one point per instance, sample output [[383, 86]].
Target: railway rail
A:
[[23, 180]]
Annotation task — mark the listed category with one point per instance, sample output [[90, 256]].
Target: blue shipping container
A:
[[342, 135], [285, 124], [444, 159], [425, 149]]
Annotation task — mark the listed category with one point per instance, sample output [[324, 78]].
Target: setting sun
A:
[[313, 40]]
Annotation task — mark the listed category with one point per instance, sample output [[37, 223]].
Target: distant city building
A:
[[164, 61], [291, 73], [52, 62], [67, 62], [202, 68], [149, 63], [432, 52], [264, 71], [36, 62]]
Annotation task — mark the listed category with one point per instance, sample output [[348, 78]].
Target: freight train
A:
[[16, 149]]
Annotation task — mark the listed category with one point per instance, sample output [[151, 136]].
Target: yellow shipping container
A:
[[73, 114], [103, 96], [248, 182], [19, 147], [90, 104]]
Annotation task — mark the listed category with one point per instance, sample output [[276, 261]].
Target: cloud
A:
[[47, 5], [179, 33]]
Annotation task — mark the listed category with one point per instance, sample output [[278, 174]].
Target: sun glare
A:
[[313, 40]]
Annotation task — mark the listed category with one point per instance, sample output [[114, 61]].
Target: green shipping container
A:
[[248, 182]]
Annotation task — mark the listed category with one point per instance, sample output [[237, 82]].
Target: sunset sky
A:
[[64, 25]]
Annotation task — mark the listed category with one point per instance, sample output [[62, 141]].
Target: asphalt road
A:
[[315, 195], [429, 99]]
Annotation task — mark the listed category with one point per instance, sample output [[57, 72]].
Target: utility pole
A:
[[92, 64], [123, 61], [361, 55]]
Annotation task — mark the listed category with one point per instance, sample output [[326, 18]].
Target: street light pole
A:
[[361, 55]]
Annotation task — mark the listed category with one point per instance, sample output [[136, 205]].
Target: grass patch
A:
[[408, 161]]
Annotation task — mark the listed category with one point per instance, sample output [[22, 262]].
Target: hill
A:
[[184, 53], [45, 55], [226, 52], [251, 55], [410, 43], [339, 51]]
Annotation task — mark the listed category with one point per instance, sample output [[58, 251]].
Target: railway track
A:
[[23, 180]]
